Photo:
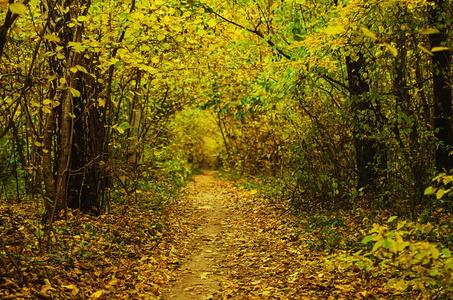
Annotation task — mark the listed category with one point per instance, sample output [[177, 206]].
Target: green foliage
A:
[[324, 233], [403, 251], [269, 188]]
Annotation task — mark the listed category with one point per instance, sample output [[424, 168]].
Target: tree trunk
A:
[[369, 159], [58, 134], [443, 113]]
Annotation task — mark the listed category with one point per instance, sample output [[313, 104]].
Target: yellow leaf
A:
[[72, 115], [74, 92], [97, 294], [120, 130], [82, 69], [18, 8], [52, 38], [62, 80], [253, 192], [201, 32], [101, 102], [155, 59], [212, 23], [69, 286], [33, 103], [161, 37], [428, 31], [436, 49], [440, 193], [368, 33], [391, 49], [435, 253], [425, 50], [46, 109], [114, 281], [332, 30]]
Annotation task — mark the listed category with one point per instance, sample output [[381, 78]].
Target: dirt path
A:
[[203, 276], [236, 246]]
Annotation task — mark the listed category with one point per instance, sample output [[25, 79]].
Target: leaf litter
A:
[[219, 242], [242, 246]]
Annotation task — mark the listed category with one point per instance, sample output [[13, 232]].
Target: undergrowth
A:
[[412, 254]]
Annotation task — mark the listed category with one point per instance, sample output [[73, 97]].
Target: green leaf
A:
[[429, 190], [367, 239], [18, 8], [387, 243], [391, 219], [446, 252], [125, 125]]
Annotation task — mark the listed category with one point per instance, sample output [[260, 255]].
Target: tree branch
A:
[[254, 31]]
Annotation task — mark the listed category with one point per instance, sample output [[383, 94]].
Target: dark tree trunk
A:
[[441, 61], [89, 180], [370, 160]]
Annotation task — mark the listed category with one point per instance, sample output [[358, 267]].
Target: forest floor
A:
[[219, 241], [238, 246]]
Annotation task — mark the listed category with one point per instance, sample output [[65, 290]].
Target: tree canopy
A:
[[347, 103]]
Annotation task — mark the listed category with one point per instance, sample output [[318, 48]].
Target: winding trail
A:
[[233, 245]]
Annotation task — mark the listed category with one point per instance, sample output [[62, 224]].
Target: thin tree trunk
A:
[[443, 113]]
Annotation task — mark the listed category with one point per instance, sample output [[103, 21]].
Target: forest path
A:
[[235, 246], [203, 274]]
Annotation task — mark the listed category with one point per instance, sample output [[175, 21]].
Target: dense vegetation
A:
[[342, 109]]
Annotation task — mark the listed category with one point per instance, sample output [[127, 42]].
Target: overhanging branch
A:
[[254, 31]]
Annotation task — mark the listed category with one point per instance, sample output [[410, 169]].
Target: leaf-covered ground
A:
[[219, 242], [243, 247]]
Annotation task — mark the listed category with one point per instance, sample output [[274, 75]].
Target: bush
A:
[[407, 254]]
